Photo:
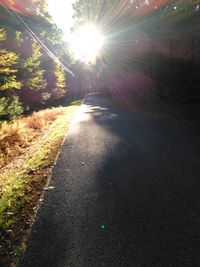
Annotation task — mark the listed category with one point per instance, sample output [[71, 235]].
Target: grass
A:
[[15, 136], [36, 140]]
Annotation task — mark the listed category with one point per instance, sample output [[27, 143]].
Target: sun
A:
[[86, 43]]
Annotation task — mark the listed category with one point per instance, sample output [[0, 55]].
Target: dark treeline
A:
[[152, 47], [173, 56], [32, 52]]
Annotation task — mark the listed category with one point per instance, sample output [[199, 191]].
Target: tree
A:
[[8, 81], [8, 60], [40, 7], [99, 12], [33, 77], [32, 54]]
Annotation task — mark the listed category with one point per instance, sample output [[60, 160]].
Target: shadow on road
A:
[[148, 199], [126, 195]]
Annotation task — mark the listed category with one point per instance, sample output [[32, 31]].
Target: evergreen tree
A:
[[31, 46], [33, 78], [59, 89], [8, 81], [8, 61]]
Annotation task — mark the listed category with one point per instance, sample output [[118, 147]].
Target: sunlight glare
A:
[[86, 43]]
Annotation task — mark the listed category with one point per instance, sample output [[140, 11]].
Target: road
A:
[[126, 194]]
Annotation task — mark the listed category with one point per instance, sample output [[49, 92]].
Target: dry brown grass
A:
[[22, 182], [17, 135], [39, 119]]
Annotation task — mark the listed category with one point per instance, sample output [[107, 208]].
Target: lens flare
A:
[[86, 43], [21, 6]]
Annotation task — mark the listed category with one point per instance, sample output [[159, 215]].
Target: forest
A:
[[160, 40], [157, 38], [134, 104], [31, 54]]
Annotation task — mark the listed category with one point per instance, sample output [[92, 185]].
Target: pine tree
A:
[[8, 81], [56, 82], [8, 61], [33, 78], [59, 89]]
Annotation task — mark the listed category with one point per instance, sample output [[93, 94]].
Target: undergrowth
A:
[[22, 183], [17, 135]]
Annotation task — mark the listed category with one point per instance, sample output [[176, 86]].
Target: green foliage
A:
[[14, 109], [56, 86], [29, 74], [31, 71], [40, 6], [10, 107], [60, 81], [2, 35], [8, 61]]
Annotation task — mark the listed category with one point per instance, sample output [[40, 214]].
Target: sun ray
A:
[[86, 43]]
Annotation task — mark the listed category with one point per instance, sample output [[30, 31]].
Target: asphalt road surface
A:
[[126, 193]]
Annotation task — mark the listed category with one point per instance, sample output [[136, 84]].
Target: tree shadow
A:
[[126, 194], [146, 207]]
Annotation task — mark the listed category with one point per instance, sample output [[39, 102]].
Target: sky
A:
[[62, 12]]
